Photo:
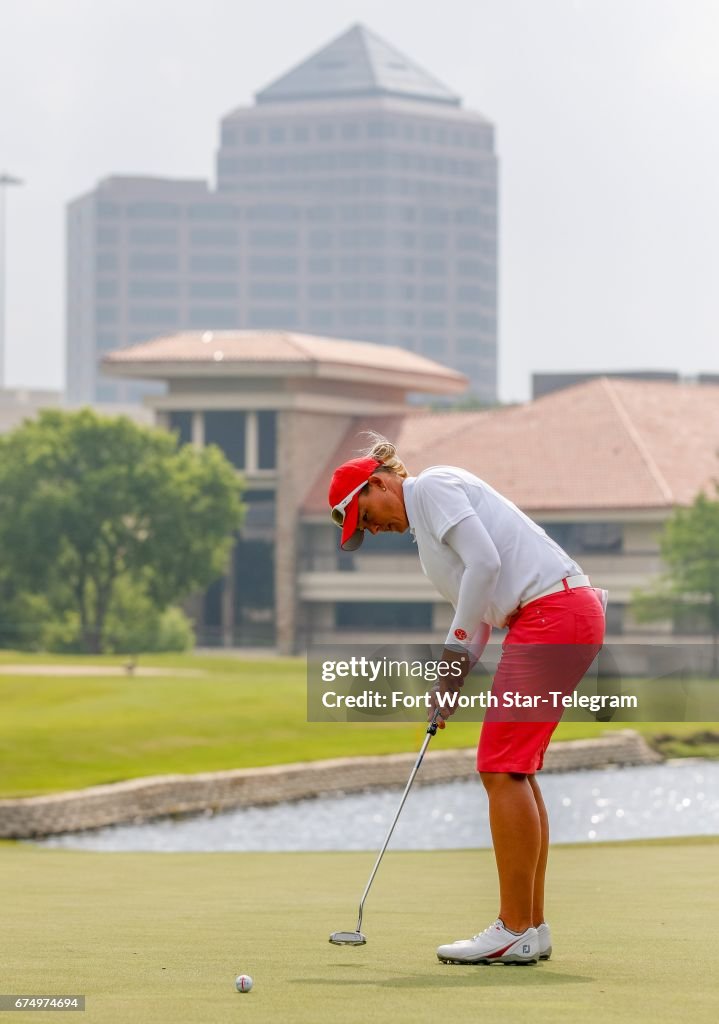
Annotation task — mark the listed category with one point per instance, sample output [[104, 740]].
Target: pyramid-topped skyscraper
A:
[[356, 198], [357, 63]]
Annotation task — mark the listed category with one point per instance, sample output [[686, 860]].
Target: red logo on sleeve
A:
[[460, 634]]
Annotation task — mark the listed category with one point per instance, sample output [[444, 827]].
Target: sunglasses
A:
[[339, 511]]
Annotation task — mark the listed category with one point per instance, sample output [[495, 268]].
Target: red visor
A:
[[345, 488]]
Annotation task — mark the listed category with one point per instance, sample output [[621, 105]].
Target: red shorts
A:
[[564, 634]]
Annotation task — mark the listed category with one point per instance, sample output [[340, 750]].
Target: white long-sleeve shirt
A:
[[480, 551]]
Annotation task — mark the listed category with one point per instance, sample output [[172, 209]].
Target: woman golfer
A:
[[497, 568]]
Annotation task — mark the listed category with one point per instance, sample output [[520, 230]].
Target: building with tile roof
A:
[[600, 465]]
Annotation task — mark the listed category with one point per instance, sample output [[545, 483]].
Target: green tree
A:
[[689, 545], [87, 501]]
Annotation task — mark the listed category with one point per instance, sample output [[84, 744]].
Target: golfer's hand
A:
[[453, 683]]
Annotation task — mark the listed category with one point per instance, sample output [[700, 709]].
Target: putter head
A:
[[348, 938]]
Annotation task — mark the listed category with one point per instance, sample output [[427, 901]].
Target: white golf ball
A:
[[243, 983]]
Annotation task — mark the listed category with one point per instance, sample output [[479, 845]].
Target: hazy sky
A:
[[607, 117]]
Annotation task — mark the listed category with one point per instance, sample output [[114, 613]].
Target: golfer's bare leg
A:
[[517, 838], [538, 896]]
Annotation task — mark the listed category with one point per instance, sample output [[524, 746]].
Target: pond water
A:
[[678, 798]]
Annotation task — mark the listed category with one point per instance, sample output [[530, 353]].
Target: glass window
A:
[[320, 265], [469, 293], [467, 346], [363, 316], [469, 242], [470, 268], [435, 215], [213, 289], [229, 165], [469, 367], [107, 236], [433, 266], [586, 538], [105, 209], [213, 236], [181, 424], [156, 210], [141, 289], [467, 215], [226, 428], [105, 289], [267, 440], [434, 318], [320, 239], [213, 211], [105, 341], [106, 260], [253, 135], [268, 237], [403, 317], [383, 615], [350, 290], [214, 262], [273, 290], [272, 318], [469, 318], [276, 133], [325, 131], [434, 240], [106, 314], [320, 213], [434, 345], [213, 317], [434, 293], [320, 291], [273, 212], [106, 392], [160, 316], [153, 236], [153, 261], [321, 319], [273, 264]]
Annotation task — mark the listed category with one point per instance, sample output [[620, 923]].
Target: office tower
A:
[[356, 198]]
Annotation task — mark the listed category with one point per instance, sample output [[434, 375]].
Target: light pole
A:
[[5, 180]]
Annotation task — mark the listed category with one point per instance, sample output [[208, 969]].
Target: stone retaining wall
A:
[[168, 795]]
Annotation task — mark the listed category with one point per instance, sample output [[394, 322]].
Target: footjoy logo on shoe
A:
[[525, 947]]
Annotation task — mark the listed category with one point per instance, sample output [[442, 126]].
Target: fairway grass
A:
[[204, 713], [159, 938]]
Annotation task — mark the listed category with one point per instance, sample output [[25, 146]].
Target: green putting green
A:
[[160, 937]]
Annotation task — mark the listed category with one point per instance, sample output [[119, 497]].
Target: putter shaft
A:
[[431, 730]]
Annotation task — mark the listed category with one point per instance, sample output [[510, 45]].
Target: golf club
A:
[[356, 938]]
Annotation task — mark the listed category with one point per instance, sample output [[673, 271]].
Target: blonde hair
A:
[[385, 452]]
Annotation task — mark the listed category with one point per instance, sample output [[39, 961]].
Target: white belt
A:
[[572, 582]]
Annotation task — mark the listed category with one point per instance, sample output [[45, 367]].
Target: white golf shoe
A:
[[545, 941], [495, 945]]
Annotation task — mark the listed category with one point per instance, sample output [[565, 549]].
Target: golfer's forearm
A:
[[481, 562], [479, 642]]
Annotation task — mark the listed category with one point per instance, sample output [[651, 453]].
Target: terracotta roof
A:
[[605, 444], [253, 346]]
